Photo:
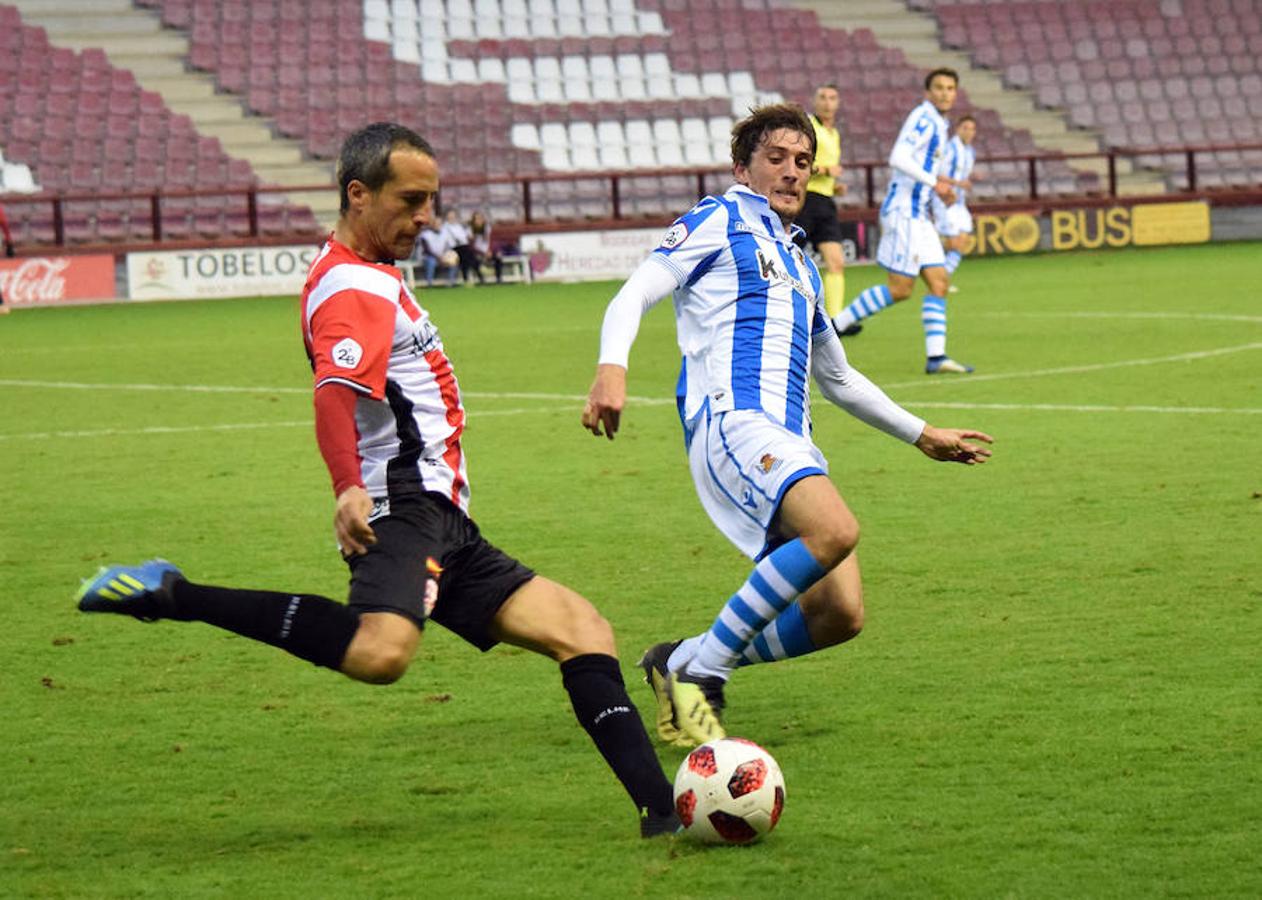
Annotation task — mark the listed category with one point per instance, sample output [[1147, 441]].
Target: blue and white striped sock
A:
[[775, 582], [784, 638], [952, 261], [869, 303], [933, 318]]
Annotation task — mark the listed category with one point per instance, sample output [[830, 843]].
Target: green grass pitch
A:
[[1056, 695]]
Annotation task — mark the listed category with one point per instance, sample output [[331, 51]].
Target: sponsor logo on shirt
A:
[[772, 272], [347, 353]]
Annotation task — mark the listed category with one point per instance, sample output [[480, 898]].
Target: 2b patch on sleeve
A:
[[347, 353]]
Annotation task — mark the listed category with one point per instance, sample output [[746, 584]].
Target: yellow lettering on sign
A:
[[1021, 233], [1117, 224], [1065, 229]]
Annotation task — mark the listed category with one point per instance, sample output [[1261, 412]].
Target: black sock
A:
[[312, 628], [603, 708]]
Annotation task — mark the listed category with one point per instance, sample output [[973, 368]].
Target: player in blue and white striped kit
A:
[[910, 246], [955, 222], [753, 329]]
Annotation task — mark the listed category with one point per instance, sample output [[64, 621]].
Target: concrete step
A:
[[74, 25], [308, 172], [276, 152], [76, 7], [150, 67], [193, 88], [163, 43], [221, 109]]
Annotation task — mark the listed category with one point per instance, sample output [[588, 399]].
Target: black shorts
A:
[[818, 219], [431, 562]]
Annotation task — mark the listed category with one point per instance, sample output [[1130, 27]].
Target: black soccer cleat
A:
[[657, 825], [142, 591]]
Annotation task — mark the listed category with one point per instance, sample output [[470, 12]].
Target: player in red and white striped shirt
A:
[[389, 422]]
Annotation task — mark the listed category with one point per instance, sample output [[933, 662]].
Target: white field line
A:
[[577, 398], [1076, 370], [248, 389], [1089, 408], [647, 401], [1094, 314], [236, 426]]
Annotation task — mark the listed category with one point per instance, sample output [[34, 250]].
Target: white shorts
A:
[[908, 245], [742, 463], [954, 220]]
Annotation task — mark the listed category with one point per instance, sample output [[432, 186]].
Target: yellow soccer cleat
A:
[[698, 704], [653, 662]]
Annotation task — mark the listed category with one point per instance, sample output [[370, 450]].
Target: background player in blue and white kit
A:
[[910, 246], [954, 221], [752, 328]]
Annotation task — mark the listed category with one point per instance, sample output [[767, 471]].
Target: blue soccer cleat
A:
[[142, 591], [941, 365]]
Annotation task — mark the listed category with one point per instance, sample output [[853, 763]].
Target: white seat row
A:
[[639, 143], [494, 9]]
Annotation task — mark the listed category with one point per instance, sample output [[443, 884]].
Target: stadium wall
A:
[[609, 252]]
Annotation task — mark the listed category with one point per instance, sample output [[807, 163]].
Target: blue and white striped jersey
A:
[[915, 161], [746, 306], [958, 164]]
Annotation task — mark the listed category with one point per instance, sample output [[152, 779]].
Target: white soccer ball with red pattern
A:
[[729, 791]]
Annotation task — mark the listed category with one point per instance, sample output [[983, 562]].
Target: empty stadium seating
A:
[[525, 87], [1142, 73], [80, 125]]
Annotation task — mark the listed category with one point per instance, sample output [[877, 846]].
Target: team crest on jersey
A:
[[767, 463], [677, 234], [347, 353], [771, 270], [435, 571]]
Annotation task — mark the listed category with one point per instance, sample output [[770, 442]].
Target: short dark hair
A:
[[827, 86], [365, 155], [962, 119], [750, 131], [942, 70]]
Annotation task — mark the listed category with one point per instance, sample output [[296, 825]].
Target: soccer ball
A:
[[450, 258], [729, 791]]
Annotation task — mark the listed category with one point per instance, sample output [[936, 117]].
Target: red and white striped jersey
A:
[[364, 329]]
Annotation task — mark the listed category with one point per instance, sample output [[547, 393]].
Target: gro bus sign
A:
[[1142, 225]]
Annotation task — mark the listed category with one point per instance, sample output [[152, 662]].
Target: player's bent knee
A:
[[386, 667], [591, 633], [382, 649]]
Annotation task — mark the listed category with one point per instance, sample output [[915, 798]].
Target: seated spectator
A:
[[457, 235], [480, 234], [435, 251]]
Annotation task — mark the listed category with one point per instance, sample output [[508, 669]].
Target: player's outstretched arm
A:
[[605, 400], [952, 445], [649, 283]]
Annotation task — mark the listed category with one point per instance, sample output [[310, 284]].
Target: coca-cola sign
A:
[[49, 280]]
